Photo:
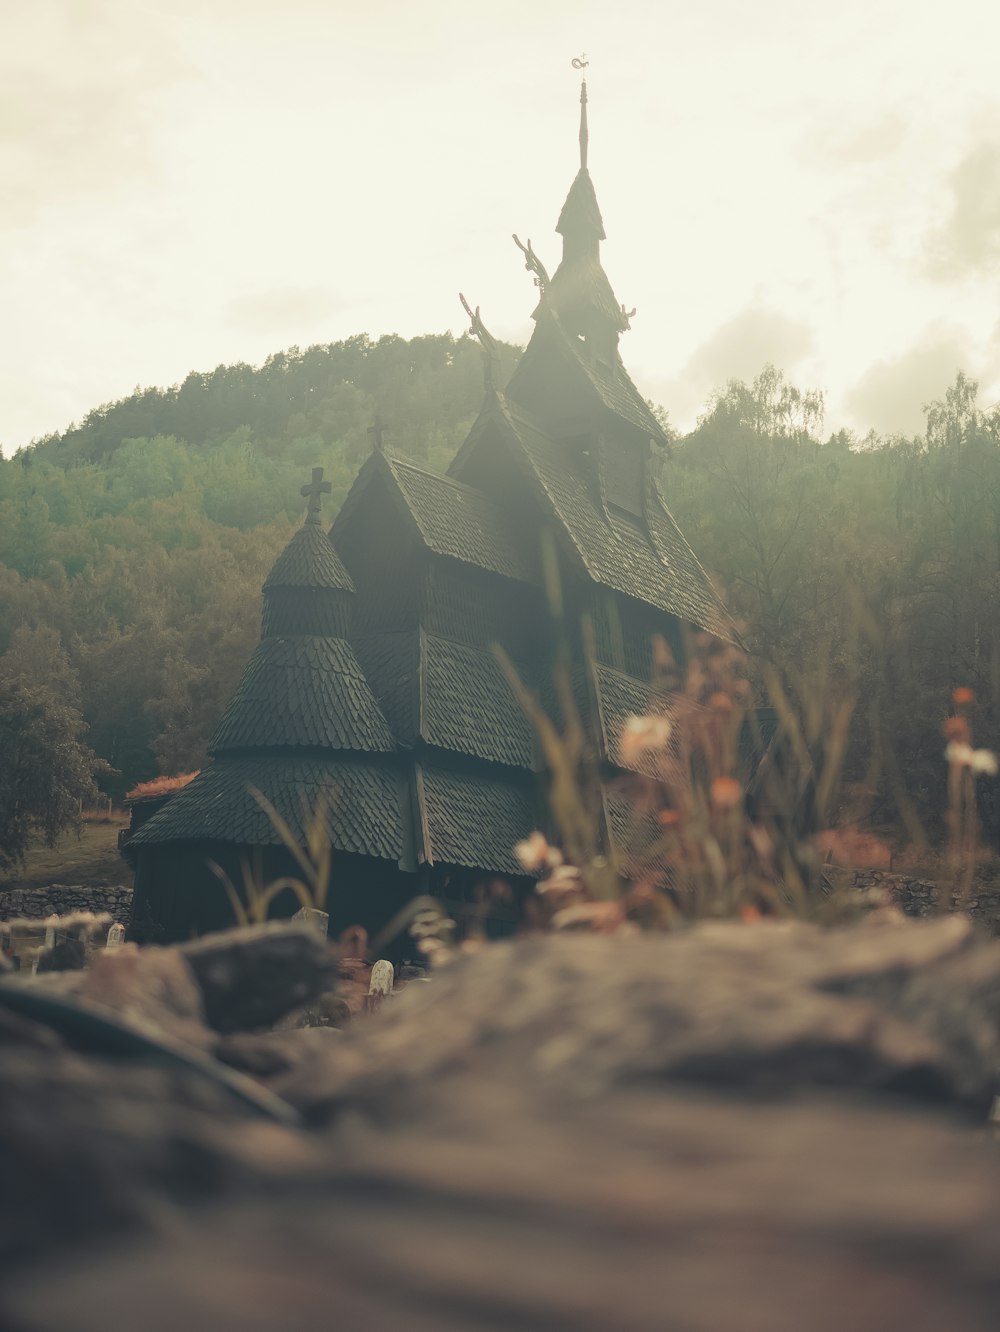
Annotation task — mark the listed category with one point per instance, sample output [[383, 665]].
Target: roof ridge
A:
[[394, 460], [468, 647]]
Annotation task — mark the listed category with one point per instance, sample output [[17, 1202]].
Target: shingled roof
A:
[[449, 518], [303, 692], [584, 285], [472, 820], [361, 803], [309, 560], [581, 212], [620, 697], [468, 706], [658, 568]]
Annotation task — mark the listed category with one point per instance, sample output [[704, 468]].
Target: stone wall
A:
[[921, 897], [62, 898]]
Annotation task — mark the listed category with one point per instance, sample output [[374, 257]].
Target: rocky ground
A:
[[762, 1126]]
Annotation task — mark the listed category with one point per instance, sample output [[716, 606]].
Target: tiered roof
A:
[[403, 725], [306, 692]]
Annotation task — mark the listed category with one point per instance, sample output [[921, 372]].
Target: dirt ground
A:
[[90, 857]]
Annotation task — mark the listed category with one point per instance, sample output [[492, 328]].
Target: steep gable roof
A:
[[449, 695], [657, 567], [448, 517], [554, 350]]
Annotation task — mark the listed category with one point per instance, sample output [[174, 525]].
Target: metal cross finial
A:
[[314, 492], [581, 62], [377, 432]]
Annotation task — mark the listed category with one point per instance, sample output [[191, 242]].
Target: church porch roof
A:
[[361, 803]]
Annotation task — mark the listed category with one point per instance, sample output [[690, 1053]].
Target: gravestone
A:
[[381, 984], [116, 936], [318, 921], [383, 976]]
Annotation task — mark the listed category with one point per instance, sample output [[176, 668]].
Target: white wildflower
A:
[[642, 734], [960, 753], [535, 854]]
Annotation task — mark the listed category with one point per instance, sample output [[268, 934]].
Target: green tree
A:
[[46, 769]]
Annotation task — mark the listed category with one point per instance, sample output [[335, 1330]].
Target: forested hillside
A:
[[133, 546]]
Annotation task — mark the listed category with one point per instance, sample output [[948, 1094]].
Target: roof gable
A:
[[657, 567], [554, 351], [448, 517]]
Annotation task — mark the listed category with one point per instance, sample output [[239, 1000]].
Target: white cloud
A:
[[968, 242], [78, 115], [890, 396]]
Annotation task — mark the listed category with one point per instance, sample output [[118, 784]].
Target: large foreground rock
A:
[[648, 1213], [729, 1130], [907, 1008]]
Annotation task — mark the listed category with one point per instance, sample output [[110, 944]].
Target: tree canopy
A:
[[133, 546], [46, 769]]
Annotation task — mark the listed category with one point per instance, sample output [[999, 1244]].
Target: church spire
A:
[[580, 293], [584, 133], [580, 223]]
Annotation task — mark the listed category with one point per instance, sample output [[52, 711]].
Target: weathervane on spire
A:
[[581, 62]]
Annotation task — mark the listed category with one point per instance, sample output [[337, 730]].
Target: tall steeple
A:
[[580, 293], [580, 223]]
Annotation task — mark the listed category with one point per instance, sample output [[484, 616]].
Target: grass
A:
[[90, 858]]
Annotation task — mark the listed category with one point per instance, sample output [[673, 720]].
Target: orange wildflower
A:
[[669, 817], [662, 656], [963, 697], [720, 702], [726, 792]]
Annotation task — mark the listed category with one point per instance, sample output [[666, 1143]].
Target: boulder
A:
[[251, 976]]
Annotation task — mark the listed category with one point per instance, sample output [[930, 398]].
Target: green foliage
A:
[[133, 547], [46, 770], [879, 559]]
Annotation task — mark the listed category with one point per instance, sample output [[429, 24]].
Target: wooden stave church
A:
[[375, 692]]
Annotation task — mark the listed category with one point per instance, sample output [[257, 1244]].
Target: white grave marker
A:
[[382, 980]]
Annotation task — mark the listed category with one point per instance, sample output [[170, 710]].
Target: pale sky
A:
[[185, 183]]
